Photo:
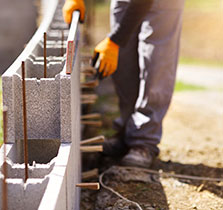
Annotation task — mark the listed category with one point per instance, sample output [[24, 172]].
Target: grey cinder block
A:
[[53, 121]]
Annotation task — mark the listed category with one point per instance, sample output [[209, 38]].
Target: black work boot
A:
[[138, 157], [115, 147]]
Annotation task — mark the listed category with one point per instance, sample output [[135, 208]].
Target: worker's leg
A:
[[126, 81], [158, 55], [126, 77]]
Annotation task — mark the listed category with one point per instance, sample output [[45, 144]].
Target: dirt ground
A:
[[191, 145]]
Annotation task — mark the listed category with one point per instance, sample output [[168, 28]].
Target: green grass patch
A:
[[180, 86], [108, 132]]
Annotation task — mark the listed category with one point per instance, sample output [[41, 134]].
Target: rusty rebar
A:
[[4, 171], [5, 124], [44, 54], [24, 121], [62, 40]]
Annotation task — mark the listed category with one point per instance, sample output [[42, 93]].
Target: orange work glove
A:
[[72, 5], [108, 56]]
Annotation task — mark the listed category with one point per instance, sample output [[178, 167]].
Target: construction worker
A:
[[141, 52]]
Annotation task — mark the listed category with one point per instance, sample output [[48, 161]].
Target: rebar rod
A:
[[44, 55], [5, 174], [24, 122], [62, 40]]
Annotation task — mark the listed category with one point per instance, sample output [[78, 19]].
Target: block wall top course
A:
[[36, 171], [35, 39]]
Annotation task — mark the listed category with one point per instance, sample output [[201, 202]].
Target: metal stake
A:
[[25, 121], [62, 40], [5, 174], [44, 55]]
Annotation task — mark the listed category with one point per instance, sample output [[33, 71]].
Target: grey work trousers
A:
[[145, 77]]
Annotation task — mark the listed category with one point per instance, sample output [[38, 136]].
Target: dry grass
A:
[[203, 31]]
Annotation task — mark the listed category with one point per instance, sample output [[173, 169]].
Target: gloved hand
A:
[[72, 5], [108, 56]]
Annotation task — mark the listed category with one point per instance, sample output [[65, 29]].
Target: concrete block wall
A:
[[11, 81], [53, 120], [46, 118], [48, 184], [43, 112], [25, 196]]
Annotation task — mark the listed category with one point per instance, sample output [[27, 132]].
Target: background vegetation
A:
[[202, 34]]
